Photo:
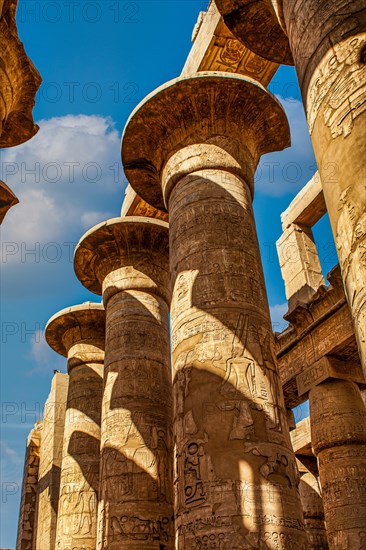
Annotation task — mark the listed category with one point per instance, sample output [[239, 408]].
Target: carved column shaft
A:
[[312, 506], [193, 145], [130, 267], [328, 44], [338, 434], [327, 41], [27, 525], [78, 332], [50, 462], [232, 443]]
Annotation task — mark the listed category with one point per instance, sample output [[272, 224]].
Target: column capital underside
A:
[[125, 254], [224, 111], [259, 26], [79, 324]]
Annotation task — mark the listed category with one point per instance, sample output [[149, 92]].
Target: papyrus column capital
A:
[[125, 254], [221, 121], [78, 333]]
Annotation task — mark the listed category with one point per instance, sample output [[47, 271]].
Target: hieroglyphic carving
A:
[[313, 511], [50, 462], [338, 84], [135, 507], [242, 404], [78, 332], [328, 368], [133, 205], [328, 43], [323, 326], [215, 48], [338, 429], [231, 435], [27, 525]]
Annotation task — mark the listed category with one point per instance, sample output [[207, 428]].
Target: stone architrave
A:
[[50, 462], [328, 45], [338, 435], [78, 333], [126, 260], [133, 205], [299, 263], [28, 503], [192, 147]]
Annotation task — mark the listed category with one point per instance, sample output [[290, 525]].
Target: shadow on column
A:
[[225, 443]]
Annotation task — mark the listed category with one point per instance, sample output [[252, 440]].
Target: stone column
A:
[[338, 434], [78, 333], [328, 45], [193, 146], [126, 259], [28, 504], [50, 462], [329, 50], [299, 263], [312, 506]]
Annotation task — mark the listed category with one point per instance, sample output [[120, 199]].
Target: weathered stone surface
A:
[[312, 506], [301, 444], [259, 25], [323, 326], [338, 434], [78, 333], [328, 367], [193, 146], [7, 200], [307, 207], [127, 260], [299, 263], [19, 82], [50, 462], [215, 48], [328, 46], [239, 102], [133, 205], [28, 504]]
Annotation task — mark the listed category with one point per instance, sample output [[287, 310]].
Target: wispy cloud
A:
[[67, 178]]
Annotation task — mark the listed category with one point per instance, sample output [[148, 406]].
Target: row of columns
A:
[[219, 412], [191, 148]]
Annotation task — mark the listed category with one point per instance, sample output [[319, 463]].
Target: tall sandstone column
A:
[[126, 260], [28, 504], [78, 333], [50, 462], [328, 44], [312, 506], [193, 146], [338, 435]]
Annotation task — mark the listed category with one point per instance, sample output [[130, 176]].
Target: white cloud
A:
[[67, 178], [277, 312], [59, 176]]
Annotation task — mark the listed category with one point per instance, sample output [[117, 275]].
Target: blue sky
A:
[[97, 61]]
